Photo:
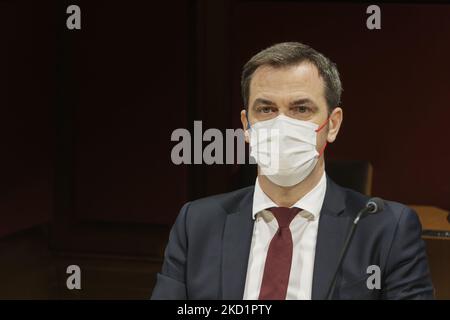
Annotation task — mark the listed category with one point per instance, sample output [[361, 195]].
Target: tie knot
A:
[[284, 215]]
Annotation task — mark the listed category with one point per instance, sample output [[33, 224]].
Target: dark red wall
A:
[[86, 116], [132, 77], [26, 130]]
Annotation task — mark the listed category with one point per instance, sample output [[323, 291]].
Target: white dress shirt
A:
[[304, 234]]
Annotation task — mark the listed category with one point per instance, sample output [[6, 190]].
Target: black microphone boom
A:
[[374, 205]]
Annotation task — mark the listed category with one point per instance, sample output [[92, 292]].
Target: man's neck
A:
[[288, 196]]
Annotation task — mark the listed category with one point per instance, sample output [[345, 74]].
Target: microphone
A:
[[374, 205]]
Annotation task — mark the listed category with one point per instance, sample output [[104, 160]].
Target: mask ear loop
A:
[[248, 126], [246, 132], [326, 142]]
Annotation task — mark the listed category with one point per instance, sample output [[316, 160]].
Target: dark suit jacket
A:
[[209, 245]]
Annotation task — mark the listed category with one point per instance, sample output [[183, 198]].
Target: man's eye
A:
[[266, 109], [302, 109]]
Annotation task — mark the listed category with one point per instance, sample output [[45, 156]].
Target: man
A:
[[281, 238]]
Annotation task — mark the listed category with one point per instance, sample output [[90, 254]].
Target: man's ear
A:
[[244, 124], [334, 124]]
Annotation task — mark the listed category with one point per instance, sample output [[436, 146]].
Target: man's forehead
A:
[[288, 84], [302, 76]]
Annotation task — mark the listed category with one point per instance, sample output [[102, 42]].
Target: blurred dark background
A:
[[86, 118]]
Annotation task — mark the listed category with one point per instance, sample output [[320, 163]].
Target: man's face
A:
[[295, 91]]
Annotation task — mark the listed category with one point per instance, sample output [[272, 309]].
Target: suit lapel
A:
[[330, 239], [236, 248]]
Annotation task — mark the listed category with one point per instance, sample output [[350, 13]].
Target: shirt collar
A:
[[310, 202]]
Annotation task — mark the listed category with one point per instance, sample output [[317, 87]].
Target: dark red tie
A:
[[279, 257]]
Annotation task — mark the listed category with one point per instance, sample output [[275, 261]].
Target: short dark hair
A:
[[289, 54]]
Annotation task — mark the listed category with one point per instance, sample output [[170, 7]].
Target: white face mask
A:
[[285, 149]]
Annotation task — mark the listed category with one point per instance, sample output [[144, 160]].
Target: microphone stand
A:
[[345, 248]]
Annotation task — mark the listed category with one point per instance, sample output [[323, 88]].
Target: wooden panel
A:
[[108, 277], [433, 220], [438, 247], [438, 252], [110, 238], [30, 270], [27, 270]]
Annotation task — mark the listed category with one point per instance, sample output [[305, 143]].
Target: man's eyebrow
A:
[[263, 101], [303, 101]]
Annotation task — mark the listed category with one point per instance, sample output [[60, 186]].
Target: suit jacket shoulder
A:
[[211, 210]]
